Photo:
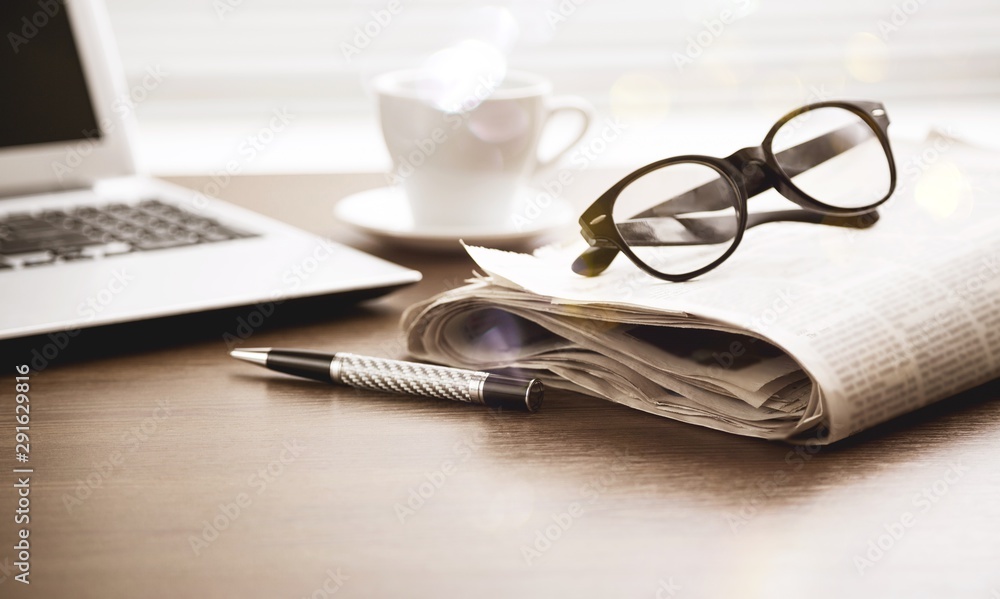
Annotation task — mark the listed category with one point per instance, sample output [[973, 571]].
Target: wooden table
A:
[[166, 469]]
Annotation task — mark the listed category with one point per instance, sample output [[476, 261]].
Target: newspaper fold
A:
[[805, 331]]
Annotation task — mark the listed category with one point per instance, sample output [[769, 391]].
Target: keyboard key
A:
[[124, 230], [155, 243], [76, 256], [90, 232], [43, 242], [32, 258], [215, 233], [85, 211], [115, 248]]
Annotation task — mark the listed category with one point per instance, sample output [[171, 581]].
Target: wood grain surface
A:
[[162, 468]]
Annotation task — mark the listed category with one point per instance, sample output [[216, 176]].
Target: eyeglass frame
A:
[[753, 167]]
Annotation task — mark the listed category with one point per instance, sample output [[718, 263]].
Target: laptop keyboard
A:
[[92, 232]]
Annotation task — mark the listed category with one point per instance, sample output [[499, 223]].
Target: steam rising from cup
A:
[[458, 78]]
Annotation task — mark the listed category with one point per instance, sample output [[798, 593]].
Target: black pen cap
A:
[[512, 394]]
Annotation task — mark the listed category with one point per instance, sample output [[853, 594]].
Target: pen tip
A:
[[255, 355]]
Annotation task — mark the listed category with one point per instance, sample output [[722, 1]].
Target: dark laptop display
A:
[[45, 96]]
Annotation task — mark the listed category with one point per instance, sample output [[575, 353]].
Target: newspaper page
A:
[[806, 329]]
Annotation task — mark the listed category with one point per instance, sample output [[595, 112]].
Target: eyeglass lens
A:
[[833, 156], [679, 218]]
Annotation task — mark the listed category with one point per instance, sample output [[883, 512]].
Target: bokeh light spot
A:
[[640, 96], [867, 58]]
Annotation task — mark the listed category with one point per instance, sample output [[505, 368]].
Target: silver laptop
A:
[[84, 240]]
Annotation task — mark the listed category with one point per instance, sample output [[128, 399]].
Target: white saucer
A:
[[384, 214]]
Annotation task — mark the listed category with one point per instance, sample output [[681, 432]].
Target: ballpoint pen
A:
[[380, 374]]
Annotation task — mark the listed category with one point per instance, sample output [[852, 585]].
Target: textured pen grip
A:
[[406, 377]]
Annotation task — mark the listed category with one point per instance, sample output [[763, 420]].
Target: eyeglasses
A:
[[681, 217]]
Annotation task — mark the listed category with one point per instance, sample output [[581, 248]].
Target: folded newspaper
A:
[[805, 332]]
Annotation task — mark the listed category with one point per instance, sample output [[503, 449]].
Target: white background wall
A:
[[228, 63]]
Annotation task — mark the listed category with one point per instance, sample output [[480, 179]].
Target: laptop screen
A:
[[45, 97]]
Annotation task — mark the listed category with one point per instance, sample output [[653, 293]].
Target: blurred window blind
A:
[[228, 56]]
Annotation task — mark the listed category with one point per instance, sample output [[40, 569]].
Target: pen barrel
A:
[[426, 380], [381, 374]]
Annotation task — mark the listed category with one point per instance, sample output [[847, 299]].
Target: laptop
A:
[[85, 240]]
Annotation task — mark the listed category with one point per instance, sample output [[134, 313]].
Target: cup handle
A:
[[558, 104]]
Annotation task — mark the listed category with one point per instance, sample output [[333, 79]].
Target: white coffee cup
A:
[[462, 155]]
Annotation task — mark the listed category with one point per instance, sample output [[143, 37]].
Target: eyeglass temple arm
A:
[[806, 216], [711, 196], [595, 260]]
